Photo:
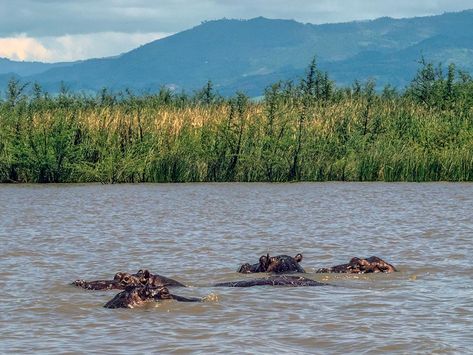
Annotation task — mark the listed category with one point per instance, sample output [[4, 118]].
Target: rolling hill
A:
[[248, 55]]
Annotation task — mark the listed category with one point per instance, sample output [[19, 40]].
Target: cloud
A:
[[73, 47], [23, 48]]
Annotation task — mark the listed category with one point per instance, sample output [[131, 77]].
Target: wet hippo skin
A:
[[98, 285], [144, 277], [372, 264], [123, 279], [276, 264], [279, 280], [136, 296]]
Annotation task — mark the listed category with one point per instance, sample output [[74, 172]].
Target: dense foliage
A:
[[306, 131]]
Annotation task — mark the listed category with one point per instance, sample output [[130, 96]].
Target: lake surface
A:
[[199, 234]]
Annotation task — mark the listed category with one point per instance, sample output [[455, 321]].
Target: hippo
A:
[[123, 279], [278, 280], [98, 285], [144, 277], [276, 264], [356, 265], [135, 296], [261, 266]]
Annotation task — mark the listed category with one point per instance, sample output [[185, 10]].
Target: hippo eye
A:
[[163, 291]]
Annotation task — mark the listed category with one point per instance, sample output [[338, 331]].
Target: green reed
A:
[[311, 131]]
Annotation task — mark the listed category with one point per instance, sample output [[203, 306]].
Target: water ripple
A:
[[200, 234]]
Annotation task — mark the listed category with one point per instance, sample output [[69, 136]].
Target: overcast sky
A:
[[63, 30]]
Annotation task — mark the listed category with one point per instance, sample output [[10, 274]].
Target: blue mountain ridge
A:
[[248, 55]]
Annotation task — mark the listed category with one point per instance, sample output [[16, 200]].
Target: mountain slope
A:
[[249, 54], [8, 66]]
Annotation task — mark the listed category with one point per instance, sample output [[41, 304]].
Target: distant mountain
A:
[[8, 66], [248, 55]]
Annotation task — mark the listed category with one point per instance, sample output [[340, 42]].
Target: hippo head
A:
[[285, 263], [372, 264], [261, 266], [126, 279], [150, 293], [131, 297], [245, 268], [354, 265], [79, 283], [144, 276], [264, 262], [277, 264], [369, 265], [380, 265], [162, 293]]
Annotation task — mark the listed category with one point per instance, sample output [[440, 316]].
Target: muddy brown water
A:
[[200, 233]]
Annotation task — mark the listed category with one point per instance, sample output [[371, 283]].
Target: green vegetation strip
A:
[[306, 131]]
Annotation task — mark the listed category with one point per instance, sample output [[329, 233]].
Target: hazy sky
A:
[[62, 30]]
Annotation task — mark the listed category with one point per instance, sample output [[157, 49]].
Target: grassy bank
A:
[[308, 131]]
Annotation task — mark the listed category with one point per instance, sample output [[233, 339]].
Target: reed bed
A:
[[312, 131]]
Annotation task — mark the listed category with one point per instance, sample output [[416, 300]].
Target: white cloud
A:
[[73, 47], [23, 48], [57, 17]]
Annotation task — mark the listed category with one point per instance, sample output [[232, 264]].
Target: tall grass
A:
[[311, 131]]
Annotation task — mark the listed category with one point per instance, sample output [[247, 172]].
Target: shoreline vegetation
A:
[[309, 130]]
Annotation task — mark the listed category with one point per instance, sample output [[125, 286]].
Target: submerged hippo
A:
[[279, 280], [135, 296], [277, 264], [123, 279], [98, 285], [144, 277], [372, 264]]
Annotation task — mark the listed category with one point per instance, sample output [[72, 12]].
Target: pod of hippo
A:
[[144, 287], [123, 279]]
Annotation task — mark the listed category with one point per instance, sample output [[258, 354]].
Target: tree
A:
[[423, 85], [15, 91]]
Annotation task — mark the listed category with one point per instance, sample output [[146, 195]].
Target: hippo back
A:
[[278, 280]]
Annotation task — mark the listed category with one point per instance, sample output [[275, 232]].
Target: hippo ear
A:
[[245, 268], [298, 258], [146, 274], [354, 260], [272, 263], [263, 260]]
